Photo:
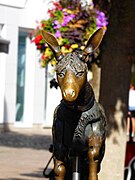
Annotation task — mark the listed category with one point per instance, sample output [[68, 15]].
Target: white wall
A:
[[2, 84], [11, 72], [53, 98], [34, 102]]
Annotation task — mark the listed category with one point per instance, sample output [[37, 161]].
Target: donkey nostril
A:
[[73, 93]]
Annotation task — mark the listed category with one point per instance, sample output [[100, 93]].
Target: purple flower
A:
[[92, 4], [56, 24], [101, 19], [65, 13], [67, 19], [57, 34]]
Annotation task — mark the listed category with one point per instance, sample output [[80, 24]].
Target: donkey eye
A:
[[80, 73], [61, 75]]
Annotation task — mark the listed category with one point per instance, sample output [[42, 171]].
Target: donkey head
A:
[[71, 69]]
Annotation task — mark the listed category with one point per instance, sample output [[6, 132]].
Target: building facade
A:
[[26, 99]]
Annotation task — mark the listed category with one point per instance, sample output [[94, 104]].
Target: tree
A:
[[118, 51]]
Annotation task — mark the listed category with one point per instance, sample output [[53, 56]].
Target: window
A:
[[21, 75]]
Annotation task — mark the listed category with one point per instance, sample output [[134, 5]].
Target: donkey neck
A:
[[85, 99]]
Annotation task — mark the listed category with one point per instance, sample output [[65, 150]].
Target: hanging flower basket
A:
[[71, 26]]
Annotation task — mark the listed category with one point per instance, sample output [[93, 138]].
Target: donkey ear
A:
[[53, 44], [93, 42]]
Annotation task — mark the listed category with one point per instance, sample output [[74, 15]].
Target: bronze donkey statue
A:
[[78, 118]]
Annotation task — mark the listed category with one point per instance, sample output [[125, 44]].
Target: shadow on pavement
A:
[[15, 139], [37, 174], [34, 175]]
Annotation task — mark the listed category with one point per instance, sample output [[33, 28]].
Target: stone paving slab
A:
[[24, 154]]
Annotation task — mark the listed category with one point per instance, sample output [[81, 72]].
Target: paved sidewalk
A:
[[24, 154]]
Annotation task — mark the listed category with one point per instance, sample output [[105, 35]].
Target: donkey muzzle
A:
[[69, 94]]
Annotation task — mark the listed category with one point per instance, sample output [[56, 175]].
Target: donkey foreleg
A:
[[95, 143]]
